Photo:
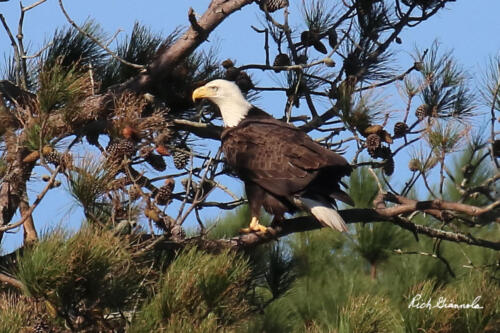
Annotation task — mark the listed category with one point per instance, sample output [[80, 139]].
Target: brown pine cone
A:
[[232, 73], [164, 194], [244, 82], [422, 111], [228, 63], [496, 148], [281, 59], [373, 141], [389, 166], [272, 5], [400, 129], [120, 148], [181, 157], [157, 162]]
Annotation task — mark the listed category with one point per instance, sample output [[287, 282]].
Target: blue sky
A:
[[470, 28]]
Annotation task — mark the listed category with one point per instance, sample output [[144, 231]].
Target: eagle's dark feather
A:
[[278, 161]]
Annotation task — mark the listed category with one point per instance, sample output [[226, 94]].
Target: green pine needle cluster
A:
[[68, 47], [89, 183], [62, 88], [36, 137], [199, 292], [446, 90], [139, 49], [79, 274], [15, 312], [369, 314]]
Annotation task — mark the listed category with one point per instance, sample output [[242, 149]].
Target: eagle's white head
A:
[[228, 97]]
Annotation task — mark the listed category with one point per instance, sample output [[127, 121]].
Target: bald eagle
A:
[[283, 169]]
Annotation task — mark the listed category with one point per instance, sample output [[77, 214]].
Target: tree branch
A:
[[217, 11], [10, 280], [364, 215]]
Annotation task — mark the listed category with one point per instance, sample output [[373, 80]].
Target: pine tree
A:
[[144, 258]]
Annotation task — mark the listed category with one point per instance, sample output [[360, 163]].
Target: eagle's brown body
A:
[[277, 162], [284, 170]]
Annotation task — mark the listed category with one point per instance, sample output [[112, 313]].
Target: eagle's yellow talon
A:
[[254, 227], [260, 228]]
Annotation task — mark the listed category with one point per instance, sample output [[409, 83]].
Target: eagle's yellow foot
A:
[[254, 226]]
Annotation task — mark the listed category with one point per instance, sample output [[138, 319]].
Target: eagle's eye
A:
[[214, 88]]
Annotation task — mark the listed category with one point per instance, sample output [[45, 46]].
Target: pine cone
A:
[[54, 157], [308, 38], [272, 5], [156, 161], [244, 82], [320, 47], [496, 148], [380, 152], [31, 157], [384, 152], [352, 64], [164, 195], [372, 152], [181, 157], [120, 148], [332, 37], [41, 326], [400, 129], [228, 63], [232, 73], [373, 141], [422, 111], [281, 59], [389, 166], [302, 59]]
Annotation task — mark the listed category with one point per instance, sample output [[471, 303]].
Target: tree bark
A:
[[198, 32], [373, 271]]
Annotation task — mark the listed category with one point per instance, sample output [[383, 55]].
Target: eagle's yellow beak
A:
[[202, 92]]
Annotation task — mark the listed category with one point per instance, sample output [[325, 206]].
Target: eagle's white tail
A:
[[324, 213]]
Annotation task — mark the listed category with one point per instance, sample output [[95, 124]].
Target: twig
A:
[[113, 37], [39, 198], [25, 9], [10, 280], [447, 264], [22, 53], [266, 41], [14, 46], [496, 95], [39, 53], [95, 40]]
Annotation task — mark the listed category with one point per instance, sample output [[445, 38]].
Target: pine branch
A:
[[217, 11], [359, 215], [95, 40], [11, 281]]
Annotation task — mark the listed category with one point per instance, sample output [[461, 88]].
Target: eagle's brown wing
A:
[[279, 157]]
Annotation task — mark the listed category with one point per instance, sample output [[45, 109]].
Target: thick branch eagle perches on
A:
[[283, 169]]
